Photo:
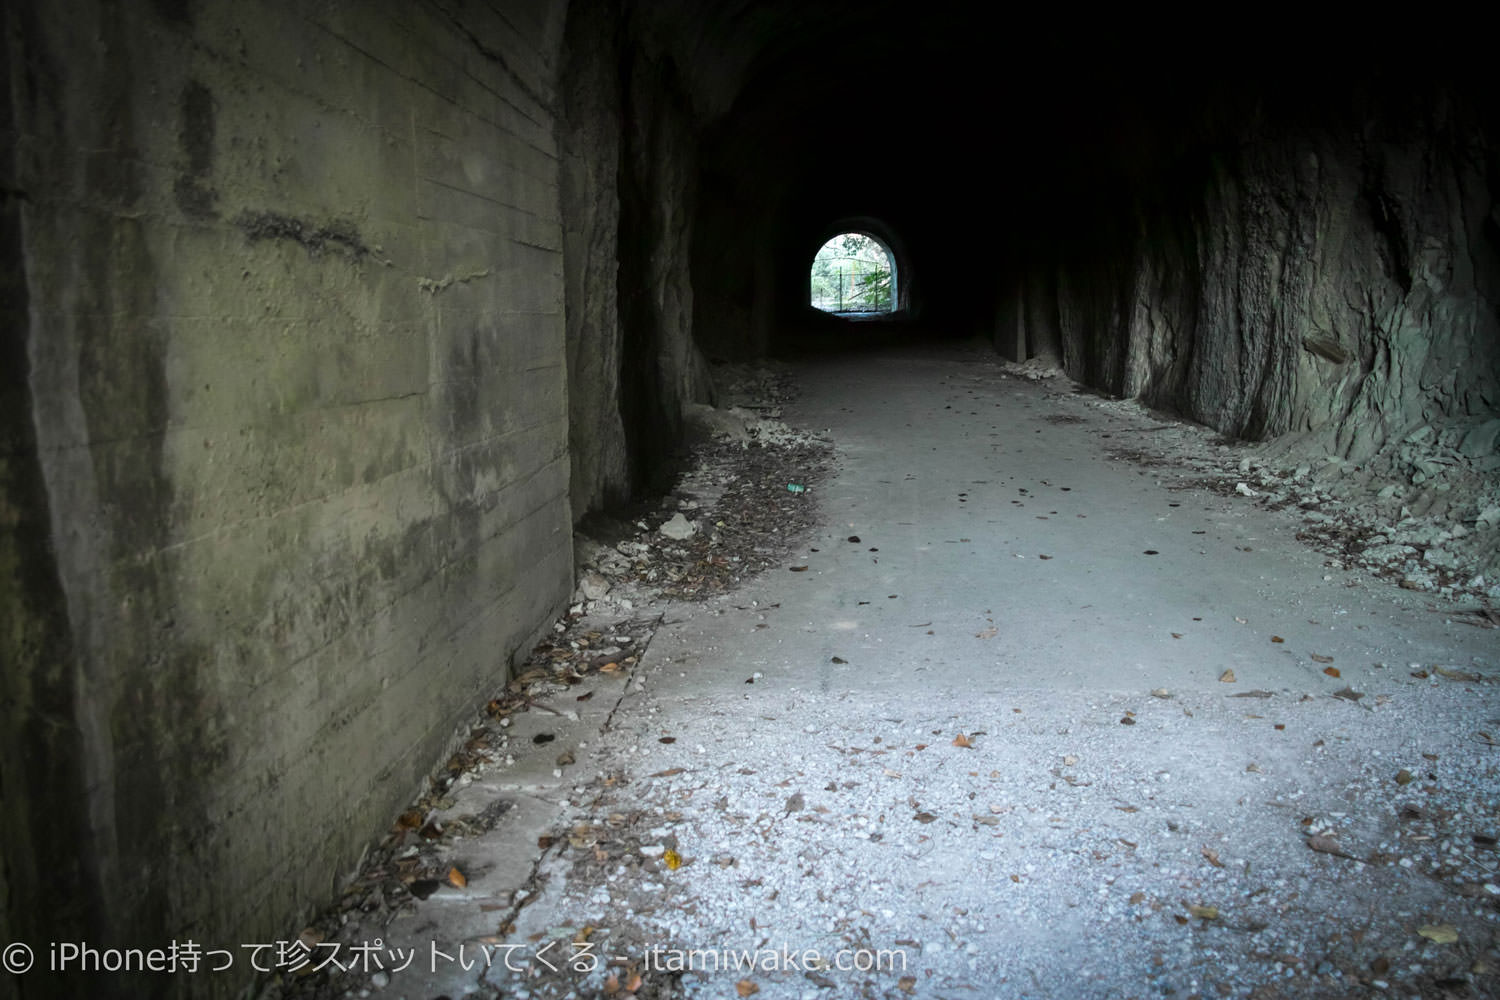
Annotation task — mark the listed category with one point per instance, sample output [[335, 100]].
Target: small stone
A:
[[679, 528]]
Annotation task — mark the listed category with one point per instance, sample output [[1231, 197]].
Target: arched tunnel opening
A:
[[854, 275], [326, 326]]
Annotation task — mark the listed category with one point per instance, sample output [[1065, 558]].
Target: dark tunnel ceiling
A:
[[969, 92]]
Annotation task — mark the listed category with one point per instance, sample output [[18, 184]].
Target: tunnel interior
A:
[[326, 325]]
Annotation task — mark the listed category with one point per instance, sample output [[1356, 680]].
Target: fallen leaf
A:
[[746, 988], [1332, 671], [1177, 635], [409, 820], [906, 984], [798, 569], [1327, 845], [669, 772], [924, 817], [667, 739], [672, 858], [1439, 933], [612, 985], [565, 758], [1318, 658], [1212, 856], [988, 633], [456, 878], [1205, 912], [1348, 694], [1227, 677], [962, 741], [633, 983], [609, 667], [1127, 721], [1404, 777], [1459, 675], [838, 659], [1137, 897], [1277, 638]]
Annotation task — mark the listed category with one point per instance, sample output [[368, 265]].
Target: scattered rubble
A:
[[1424, 514]]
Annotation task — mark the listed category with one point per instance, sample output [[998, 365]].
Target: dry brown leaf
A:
[[797, 569], [1277, 638], [1212, 856], [1404, 777], [962, 741], [1348, 694], [746, 988], [612, 985], [633, 982], [1318, 658], [668, 772], [1332, 671], [924, 817], [1137, 897], [609, 667], [1205, 912], [1227, 677], [906, 984], [988, 633], [1327, 845], [456, 878]]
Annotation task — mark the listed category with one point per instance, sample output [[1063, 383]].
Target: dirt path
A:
[[1044, 715]]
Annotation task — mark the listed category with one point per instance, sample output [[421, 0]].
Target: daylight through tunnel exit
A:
[[853, 273]]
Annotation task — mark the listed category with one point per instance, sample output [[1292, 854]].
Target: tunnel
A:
[[325, 324]]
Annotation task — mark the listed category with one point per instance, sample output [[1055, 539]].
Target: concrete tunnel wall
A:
[[286, 472], [323, 326]]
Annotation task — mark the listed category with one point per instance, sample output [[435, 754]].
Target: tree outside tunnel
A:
[[853, 273]]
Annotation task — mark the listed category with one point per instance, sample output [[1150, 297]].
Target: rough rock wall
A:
[[1337, 278], [285, 472], [629, 145], [589, 136]]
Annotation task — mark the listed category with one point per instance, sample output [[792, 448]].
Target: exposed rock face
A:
[[629, 177], [589, 139], [1339, 278]]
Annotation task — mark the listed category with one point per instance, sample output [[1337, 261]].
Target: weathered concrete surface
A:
[[285, 474]]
